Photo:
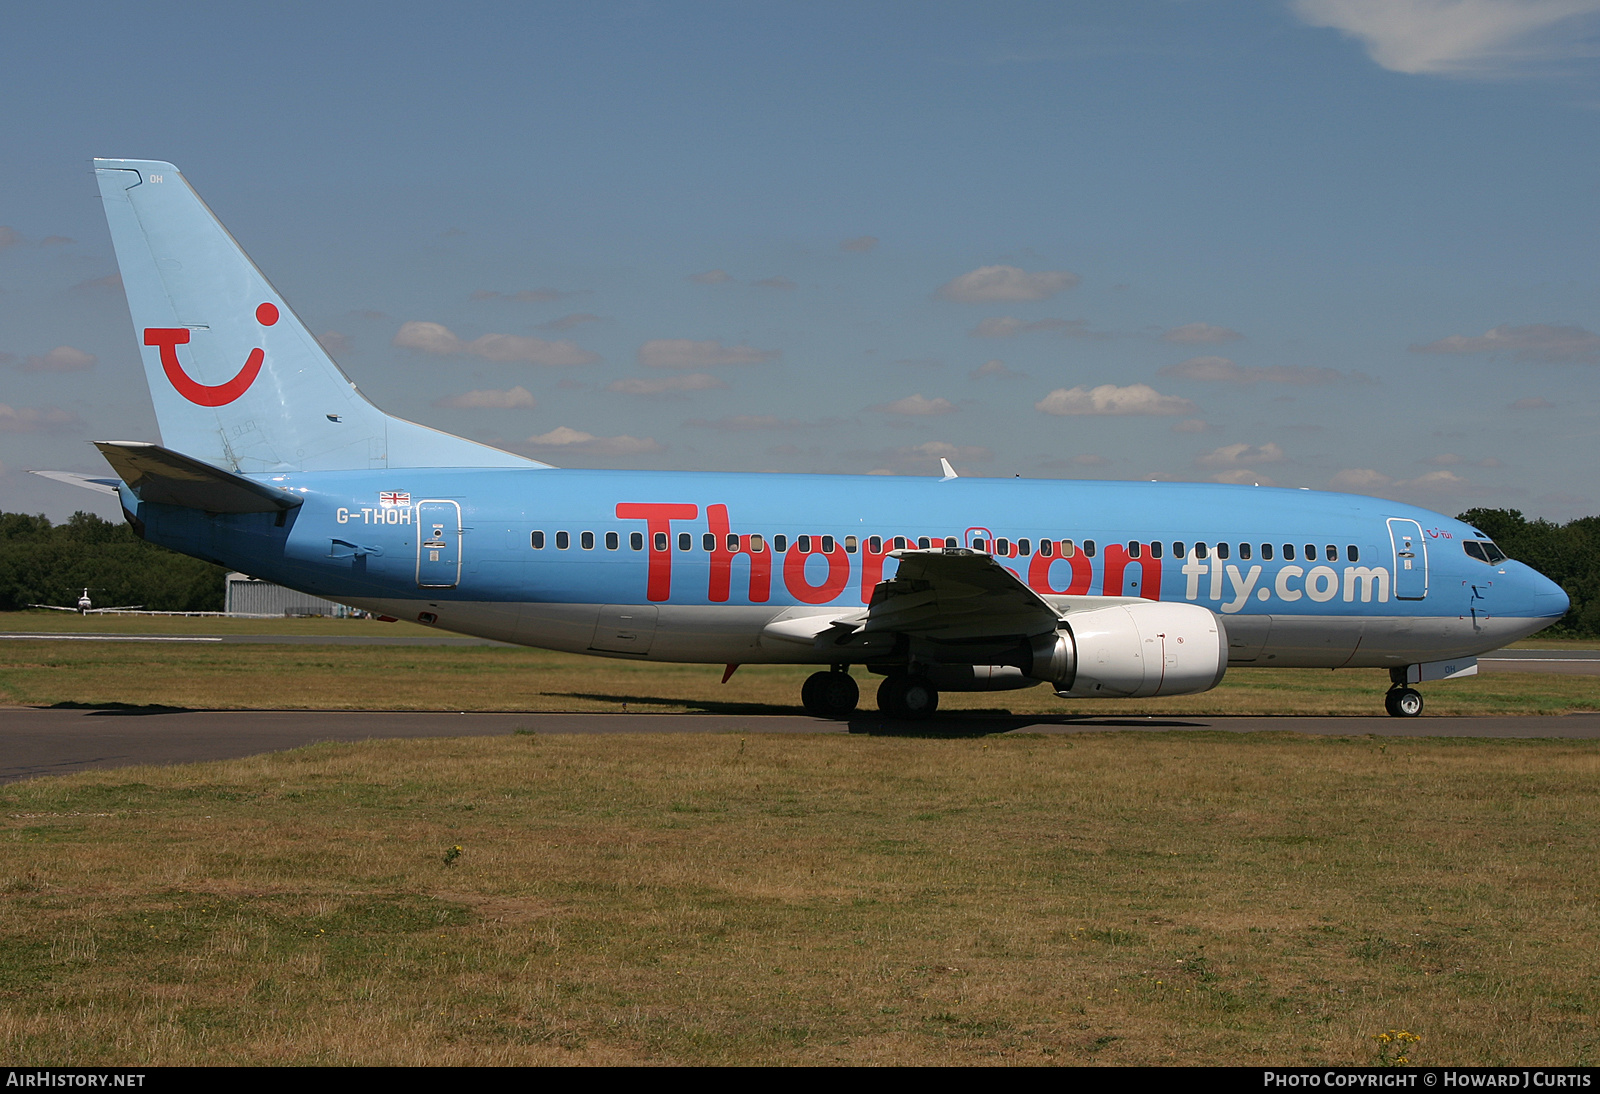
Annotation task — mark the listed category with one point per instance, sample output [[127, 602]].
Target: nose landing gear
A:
[[1402, 702]]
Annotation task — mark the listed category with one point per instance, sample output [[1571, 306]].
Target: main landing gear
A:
[[908, 695], [830, 694]]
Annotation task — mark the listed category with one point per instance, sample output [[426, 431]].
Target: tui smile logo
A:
[[170, 338]]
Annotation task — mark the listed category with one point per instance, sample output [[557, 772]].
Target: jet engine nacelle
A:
[[1132, 651]]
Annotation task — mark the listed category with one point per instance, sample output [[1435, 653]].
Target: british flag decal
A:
[[390, 498]]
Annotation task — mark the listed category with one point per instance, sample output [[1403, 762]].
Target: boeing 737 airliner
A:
[[271, 462]]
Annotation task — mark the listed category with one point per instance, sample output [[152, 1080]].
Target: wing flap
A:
[[953, 594]]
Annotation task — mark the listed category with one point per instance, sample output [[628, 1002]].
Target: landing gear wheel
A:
[[1403, 702], [829, 694], [905, 695]]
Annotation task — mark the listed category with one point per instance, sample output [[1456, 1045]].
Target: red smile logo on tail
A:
[[170, 338]]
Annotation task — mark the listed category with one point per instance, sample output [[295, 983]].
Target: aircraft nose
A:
[[1549, 600]]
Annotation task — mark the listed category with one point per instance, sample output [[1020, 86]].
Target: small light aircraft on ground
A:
[[271, 462]]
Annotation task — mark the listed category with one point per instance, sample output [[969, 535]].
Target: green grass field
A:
[[1123, 899], [499, 678]]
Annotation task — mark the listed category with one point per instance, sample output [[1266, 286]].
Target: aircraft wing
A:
[[956, 593], [952, 595]]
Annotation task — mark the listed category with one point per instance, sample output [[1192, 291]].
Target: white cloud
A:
[[1222, 370], [334, 341], [775, 283], [1006, 326], [565, 439], [567, 322], [1538, 342], [28, 419], [859, 243], [711, 277], [684, 353], [514, 399], [1201, 332], [1240, 455], [529, 296], [1242, 476], [916, 405], [438, 339], [996, 368], [60, 359], [1455, 37], [935, 450], [1111, 399], [666, 385], [1364, 480], [746, 423], [990, 283]]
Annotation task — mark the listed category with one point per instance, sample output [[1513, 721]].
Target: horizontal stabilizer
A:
[[165, 477], [88, 482]]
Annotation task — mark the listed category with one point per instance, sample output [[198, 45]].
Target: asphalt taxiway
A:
[[54, 741]]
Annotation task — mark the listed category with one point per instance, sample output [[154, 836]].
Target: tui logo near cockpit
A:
[[168, 339]]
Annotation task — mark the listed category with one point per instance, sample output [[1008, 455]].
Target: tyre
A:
[[1403, 702], [830, 694], [905, 695]]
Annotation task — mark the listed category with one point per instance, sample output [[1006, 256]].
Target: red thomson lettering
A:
[[658, 517], [872, 565], [1077, 585], [721, 581], [1117, 559], [794, 572]]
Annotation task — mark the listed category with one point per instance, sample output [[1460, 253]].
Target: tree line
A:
[[44, 563]]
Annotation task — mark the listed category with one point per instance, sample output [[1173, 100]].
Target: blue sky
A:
[[1341, 244]]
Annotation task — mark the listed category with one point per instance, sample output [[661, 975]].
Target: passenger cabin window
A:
[[1002, 546], [949, 541], [899, 543], [1177, 548], [636, 540], [757, 543], [659, 541], [1135, 548], [1200, 551], [1088, 547], [849, 545], [827, 545], [980, 545], [613, 541], [1288, 552], [1223, 550], [537, 539], [1332, 553], [1024, 547], [1155, 548], [1353, 553], [1244, 550], [803, 545], [586, 540], [733, 541], [1046, 548], [685, 541], [780, 543], [875, 544], [563, 541], [1068, 548], [1266, 551], [923, 543], [1311, 552]]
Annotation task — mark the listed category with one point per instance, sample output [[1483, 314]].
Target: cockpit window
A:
[[1483, 550]]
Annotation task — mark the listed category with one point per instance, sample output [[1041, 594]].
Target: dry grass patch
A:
[[1140, 898]]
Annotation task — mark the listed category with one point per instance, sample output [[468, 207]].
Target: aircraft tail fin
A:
[[236, 378]]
